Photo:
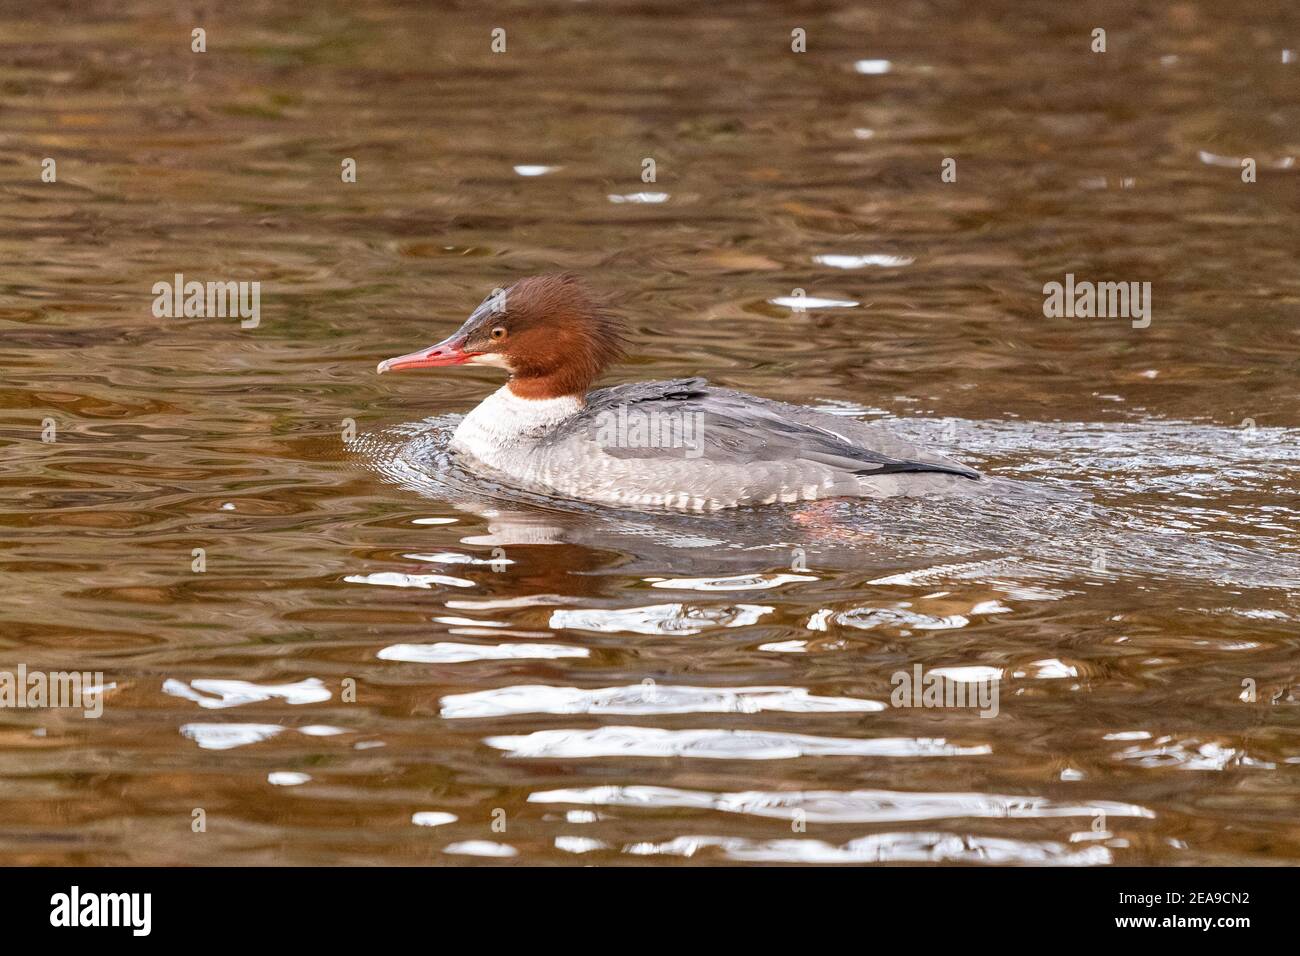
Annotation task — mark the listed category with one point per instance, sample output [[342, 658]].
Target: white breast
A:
[[503, 429]]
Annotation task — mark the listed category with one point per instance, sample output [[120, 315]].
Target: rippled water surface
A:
[[544, 682]]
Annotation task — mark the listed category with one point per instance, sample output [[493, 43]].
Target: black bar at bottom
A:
[[331, 906]]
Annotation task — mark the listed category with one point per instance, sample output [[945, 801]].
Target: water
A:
[[544, 682]]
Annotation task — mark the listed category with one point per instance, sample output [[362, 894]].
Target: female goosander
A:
[[682, 444]]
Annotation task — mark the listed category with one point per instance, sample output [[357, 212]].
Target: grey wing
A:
[[677, 388], [727, 427]]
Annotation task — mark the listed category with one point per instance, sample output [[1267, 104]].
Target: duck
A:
[[681, 444]]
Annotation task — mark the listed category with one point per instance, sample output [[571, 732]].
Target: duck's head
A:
[[547, 331]]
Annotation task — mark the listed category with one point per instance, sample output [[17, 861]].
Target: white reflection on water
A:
[[432, 818], [527, 600], [457, 557], [638, 197], [868, 618], [287, 778], [447, 652], [718, 744], [738, 582], [881, 848], [658, 618], [646, 699], [872, 67], [395, 579], [1192, 755], [785, 647], [841, 806], [233, 693], [1234, 162], [968, 674], [1050, 669], [480, 848], [799, 302], [577, 844], [862, 262], [228, 736]]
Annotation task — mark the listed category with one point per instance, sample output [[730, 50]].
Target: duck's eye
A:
[[498, 333]]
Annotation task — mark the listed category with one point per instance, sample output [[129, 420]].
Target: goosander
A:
[[680, 444]]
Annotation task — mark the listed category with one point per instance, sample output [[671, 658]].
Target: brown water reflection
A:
[[633, 689]]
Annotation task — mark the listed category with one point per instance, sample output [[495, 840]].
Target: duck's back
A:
[[684, 444]]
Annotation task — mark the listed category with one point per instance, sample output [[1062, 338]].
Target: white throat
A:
[[504, 425]]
